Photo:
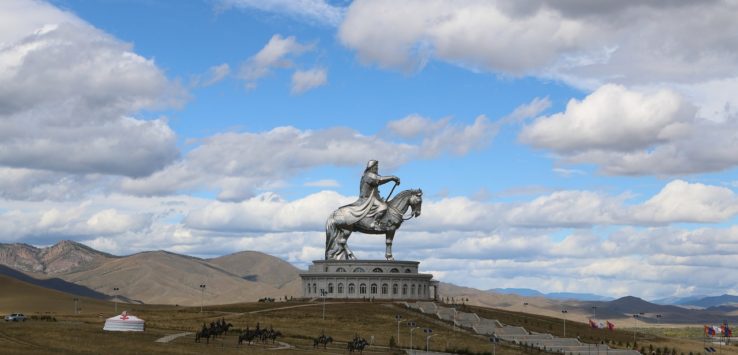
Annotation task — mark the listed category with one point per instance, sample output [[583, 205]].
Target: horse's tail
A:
[[331, 234]]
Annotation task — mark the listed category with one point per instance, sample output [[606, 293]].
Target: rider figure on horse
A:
[[370, 204]]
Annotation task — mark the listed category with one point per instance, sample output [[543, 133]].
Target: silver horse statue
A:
[[342, 222]]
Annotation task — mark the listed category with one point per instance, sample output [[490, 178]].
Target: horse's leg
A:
[[344, 252], [390, 235]]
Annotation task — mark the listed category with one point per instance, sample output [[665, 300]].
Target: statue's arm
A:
[[380, 180]]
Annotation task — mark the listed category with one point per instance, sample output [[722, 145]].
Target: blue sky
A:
[[573, 147]]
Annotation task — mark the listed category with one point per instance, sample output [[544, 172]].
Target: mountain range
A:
[[151, 277], [160, 277], [527, 292]]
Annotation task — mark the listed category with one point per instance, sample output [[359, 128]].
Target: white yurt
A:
[[124, 323]]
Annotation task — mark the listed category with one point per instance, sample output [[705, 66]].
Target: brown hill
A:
[[257, 266], [20, 296], [63, 257], [166, 278]]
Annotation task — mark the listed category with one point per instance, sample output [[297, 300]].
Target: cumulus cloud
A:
[[277, 53], [570, 40], [612, 118], [695, 202], [312, 11], [477, 34], [441, 135], [635, 132], [68, 93], [240, 164], [304, 80]]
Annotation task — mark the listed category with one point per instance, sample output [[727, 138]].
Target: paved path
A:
[[283, 346], [171, 337]]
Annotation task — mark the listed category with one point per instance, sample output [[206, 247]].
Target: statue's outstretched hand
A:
[[397, 180]]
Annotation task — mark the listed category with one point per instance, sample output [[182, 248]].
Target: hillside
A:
[[257, 266], [20, 296], [61, 258], [166, 278]]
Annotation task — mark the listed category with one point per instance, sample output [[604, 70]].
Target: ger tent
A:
[[124, 323]]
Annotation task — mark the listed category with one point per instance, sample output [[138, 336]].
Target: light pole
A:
[[658, 319], [494, 340], [323, 293], [202, 296], [398, 318], [594, 313], [635, 328], [428, 331], [564, 312], [76, 308], [525, 309], [412, 328], [115, 292]]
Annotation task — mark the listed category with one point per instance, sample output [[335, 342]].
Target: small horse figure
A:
[[341, 223], [323, 339], [248, 336], [203, 333], [358, 344]]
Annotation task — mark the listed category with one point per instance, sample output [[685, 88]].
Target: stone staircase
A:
[[517, 335]]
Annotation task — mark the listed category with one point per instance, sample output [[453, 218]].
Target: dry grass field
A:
[[684, 340], [299, 322]]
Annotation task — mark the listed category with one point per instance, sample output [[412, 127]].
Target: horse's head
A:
[[416, 201]]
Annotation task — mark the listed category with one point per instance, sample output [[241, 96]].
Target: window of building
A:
[[351, 289], [404, 289], [358, 269], [315, 288], [412, 289], [394, 270], [385, 289], [340, 288], [394, 289], [408, 271], [330, 287], [377, 269], [362, 289], [374, 289], [340, 269]]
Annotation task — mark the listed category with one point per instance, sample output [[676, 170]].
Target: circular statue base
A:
[[368, 279]]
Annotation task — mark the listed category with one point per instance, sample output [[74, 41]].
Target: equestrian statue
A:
[[370, 214]]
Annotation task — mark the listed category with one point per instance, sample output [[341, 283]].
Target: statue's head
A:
[[372, 166]]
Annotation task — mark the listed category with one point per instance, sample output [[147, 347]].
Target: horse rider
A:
[[370, 204]]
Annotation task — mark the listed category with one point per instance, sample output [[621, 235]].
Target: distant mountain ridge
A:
[[527, 292], [153, 276], [63, 257]]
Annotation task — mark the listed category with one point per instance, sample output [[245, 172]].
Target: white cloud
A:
[[682, 201], [566, 209], [443, 135], [633, 132], [275, 54], [240, 164], [67, 94], [626, 42], [323, 183], [304, 80], [268, 212], [214, 75], [313, 11], [477, 34], [529, 110], [611, 118]]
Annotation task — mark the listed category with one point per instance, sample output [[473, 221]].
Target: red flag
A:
[[610, 326]]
